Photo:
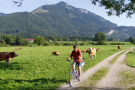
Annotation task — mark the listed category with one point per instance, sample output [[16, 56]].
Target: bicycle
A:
[[73, 75]]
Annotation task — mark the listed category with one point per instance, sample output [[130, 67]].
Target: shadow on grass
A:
[[91, 88], [12, 66], [113, 50], [41, 83]]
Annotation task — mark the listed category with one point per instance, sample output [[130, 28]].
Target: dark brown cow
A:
[[83, 50], [86, 51], [56, 53], [119, 47], [7, 56]]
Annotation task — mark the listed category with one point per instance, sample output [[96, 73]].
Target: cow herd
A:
[[10, 55], [91, 51]]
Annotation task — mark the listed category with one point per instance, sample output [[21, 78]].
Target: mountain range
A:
[[60, 19]]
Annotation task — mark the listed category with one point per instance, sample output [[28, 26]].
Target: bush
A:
[[57, 44], [32, 45], [67, 44], [4, 44], [101, 43], [76, 44], [117, 43], [81, 43], [46, 44]]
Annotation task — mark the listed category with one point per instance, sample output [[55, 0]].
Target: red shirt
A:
[[76, 55]]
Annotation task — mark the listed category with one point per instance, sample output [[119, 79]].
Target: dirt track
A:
[[111, 80]]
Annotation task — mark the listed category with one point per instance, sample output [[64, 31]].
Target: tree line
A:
[[38, 40], [99, 37]]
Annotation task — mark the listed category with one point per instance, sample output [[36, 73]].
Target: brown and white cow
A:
[[92, 52], [55, 53], [119, 47], [7, 56]]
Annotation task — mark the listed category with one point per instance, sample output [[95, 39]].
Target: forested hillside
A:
[[58, 20]]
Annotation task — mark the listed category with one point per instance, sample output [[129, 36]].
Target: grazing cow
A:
[[119, 47], [17, 48], [92, 52], [98, 49], [55, 53], [84, 51], [20, 48], [7, 56]]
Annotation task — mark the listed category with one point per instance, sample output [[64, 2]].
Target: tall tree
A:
[[21, 41], [132, 40], [9, 39], [100, 38], [117, 7], [39, 40]]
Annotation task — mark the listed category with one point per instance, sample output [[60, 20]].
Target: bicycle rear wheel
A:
[[72, 78]]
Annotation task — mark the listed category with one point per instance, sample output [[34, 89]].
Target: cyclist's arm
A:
[[70, 56]]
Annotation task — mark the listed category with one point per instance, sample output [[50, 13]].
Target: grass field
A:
[[129, 76], [130, 60], [37, 68]]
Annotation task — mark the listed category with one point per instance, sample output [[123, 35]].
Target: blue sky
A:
[[7, 6]]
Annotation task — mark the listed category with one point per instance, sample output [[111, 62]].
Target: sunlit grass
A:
[[37, 68], [128, 78], [130, 59]]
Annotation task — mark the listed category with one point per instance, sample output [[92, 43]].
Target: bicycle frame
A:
[[73, 75]]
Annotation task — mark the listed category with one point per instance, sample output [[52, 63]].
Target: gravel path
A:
[[111, 80], [107, 81]]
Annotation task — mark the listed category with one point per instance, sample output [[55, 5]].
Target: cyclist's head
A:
[[75, 47]]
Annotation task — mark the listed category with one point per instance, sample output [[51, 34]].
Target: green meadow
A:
[[37, 68], [130, 60]]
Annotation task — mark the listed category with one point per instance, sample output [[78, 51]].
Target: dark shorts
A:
[[80, 64]]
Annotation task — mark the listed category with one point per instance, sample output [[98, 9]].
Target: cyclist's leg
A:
[[73, 65], [80, 65], [79, 72]]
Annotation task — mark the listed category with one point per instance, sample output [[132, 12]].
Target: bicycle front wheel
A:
[[72, 78]]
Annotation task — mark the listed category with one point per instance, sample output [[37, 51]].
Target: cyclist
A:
[[77, 55]]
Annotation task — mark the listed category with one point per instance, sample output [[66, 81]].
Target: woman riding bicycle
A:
[[77, 55]]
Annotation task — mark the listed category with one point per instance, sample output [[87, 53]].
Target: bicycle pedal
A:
[[77, 78]]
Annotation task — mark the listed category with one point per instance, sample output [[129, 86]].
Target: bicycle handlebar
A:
[[75, 60]]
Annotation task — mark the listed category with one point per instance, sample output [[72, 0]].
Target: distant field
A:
[[66, 43], [37, 68]]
